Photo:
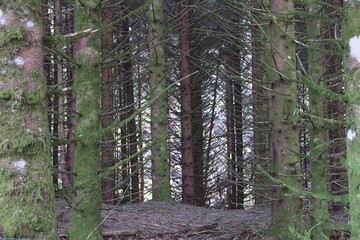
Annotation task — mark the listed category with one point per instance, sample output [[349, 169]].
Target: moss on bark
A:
[[351, 34], [26, 191], [287, 215], [86, 215], [159, 121]]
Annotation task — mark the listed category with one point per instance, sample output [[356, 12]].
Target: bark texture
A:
[[26, 186], [108, 145], [85, 217], [351, 34], [158, 94], [284, 133], [188, 190], [318, 162]]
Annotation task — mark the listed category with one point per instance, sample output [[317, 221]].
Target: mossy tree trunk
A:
[[318, 164], [159, 106], [351, 36], [85, 217], [26, 187], [284, 133]]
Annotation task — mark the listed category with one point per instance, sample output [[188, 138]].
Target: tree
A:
[[317, 147], [284, 133], [86, 215], [27, 194], [187, 161], [351, 33], [158, 96], [108, 186]]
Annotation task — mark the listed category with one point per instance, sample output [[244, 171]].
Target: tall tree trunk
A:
[[230, 141], [260, 109], [234, 121], [129, 109], [351, 33], [332, 73], [188, 191], [59, 123], [284, 134], [240, 164], [108, 145], [141, 137], [27, 194], [86, 217], [71, 99], [318, 162], [159, 96]]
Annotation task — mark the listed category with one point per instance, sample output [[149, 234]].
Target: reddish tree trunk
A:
[[108, 145], [186, 123]]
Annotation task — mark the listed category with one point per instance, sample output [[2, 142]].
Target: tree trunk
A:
[[260, 110], [318, 162], [187, 159], [108, 145], [158, 96], [129, 109], [350, 34], [86, 217], [27, 194], [284, 134]]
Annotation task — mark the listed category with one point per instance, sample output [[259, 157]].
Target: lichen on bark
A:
[[26, 191]]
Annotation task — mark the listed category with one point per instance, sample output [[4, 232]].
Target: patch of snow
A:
[[350, 135], [19, 166], [354, 44], [19, 61], [2, 21]]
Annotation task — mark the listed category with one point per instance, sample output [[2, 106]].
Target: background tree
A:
[[351, 33]]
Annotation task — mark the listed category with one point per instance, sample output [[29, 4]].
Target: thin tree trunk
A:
[[188, 190], [129, 109], [240, 164], [260, 110], [108, 144], [27, 193]]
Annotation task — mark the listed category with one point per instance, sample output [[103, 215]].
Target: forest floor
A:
[[174, 221]]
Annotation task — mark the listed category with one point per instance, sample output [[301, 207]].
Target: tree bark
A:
[[284, 134], [27, 194], [86, 214], [108, 145], [350, 34], [318, 162], [159, 98], [187, 159]]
